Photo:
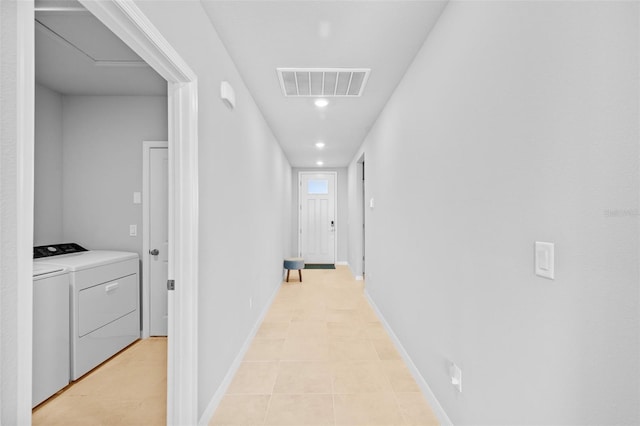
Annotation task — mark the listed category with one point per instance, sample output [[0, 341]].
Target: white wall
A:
[[47, 221], [245, 196], [88, 163], [342, 225], [517, 122], [102, 161]]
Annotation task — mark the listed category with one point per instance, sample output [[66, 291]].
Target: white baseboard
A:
[[342, 263], [424, 386], [222, 389]]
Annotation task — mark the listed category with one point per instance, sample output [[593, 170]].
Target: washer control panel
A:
[[56, 250]]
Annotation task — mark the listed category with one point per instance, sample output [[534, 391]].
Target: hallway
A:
[[502, 161], [321, 357]]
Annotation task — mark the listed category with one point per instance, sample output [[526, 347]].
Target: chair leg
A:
[[288, 270], [300, 274]]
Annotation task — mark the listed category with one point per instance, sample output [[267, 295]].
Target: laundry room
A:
[[88, 166], [96, 104]]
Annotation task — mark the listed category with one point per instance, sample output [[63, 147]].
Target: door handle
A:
[[154, 252]]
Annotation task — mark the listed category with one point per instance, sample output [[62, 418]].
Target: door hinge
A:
[[171, 284]]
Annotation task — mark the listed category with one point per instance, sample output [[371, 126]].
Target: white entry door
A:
[[318, 217], [158, 254]]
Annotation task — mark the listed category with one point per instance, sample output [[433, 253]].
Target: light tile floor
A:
[[321, 357], [129, 389]]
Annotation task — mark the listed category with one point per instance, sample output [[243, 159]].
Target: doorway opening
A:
[[317, 217], [95, 100], [130, 25]]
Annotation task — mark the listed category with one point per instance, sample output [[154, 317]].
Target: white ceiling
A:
[[264, 35], [78, 55], [75, 54]]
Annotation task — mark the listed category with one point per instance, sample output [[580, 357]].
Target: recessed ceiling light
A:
[[319, 145], [319, 163], [321, 103]]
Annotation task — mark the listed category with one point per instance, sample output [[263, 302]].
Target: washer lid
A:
[[40, 269], [91, 259]]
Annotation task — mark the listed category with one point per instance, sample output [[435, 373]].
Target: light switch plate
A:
[[545, 262], [133, 230], [137, 198]]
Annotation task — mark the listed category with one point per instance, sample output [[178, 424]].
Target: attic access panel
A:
[[325, 82]]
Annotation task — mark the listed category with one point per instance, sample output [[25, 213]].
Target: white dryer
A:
[[50, 331], [104, 303]]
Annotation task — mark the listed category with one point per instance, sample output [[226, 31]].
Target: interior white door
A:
[[318, 217], [158, 239]]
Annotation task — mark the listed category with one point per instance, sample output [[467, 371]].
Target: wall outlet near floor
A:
[[456, 376]]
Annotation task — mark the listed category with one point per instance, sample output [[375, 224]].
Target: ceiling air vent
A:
[[325, 82]]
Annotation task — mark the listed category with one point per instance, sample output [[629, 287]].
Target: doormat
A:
[[319, 266]]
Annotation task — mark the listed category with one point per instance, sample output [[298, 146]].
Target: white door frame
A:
[[146, 220], [128, 22], [361, 222], [24, 186], [335, 210]]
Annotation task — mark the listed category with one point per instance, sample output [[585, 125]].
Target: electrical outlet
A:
[[456, 376]]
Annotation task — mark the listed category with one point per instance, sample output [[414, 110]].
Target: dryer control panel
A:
[[56, 250]]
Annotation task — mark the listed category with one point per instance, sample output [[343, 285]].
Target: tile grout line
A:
[[266, 412], [400, 411]]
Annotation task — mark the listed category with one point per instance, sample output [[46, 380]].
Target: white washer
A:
[[50, 330], [104, 305]]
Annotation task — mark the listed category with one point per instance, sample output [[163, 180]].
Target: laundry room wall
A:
[[342, 210], [517, 122], [244, 198], [47, 220], [102, 163]]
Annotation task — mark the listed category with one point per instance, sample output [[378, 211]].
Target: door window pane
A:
[[318, 186]]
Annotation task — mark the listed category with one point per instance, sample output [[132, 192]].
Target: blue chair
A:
[[294, 263]]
